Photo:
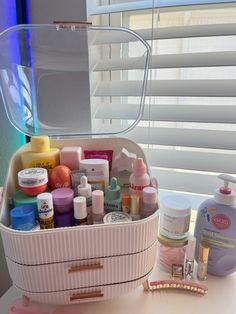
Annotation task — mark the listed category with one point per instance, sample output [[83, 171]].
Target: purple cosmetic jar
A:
[[63, 200]]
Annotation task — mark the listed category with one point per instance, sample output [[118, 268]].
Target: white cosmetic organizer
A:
[[74, 264]]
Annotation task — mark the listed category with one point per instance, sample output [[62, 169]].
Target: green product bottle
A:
[[112, 197]]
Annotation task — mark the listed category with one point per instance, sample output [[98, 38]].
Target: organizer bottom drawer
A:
[[82, 273], [74, 296]]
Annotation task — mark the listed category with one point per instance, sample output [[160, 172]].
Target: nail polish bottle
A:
[[97, 206], [112, 197]]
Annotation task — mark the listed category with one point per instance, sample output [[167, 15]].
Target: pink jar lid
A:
[[62, 196], [149, 195]]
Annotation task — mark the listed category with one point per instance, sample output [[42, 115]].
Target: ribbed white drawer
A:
[[83, 273], [82, 295], [63, 244]]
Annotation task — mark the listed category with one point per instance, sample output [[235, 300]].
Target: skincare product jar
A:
[[23, 218], [170, 252], [116, 217], [33, 181], [63, 200], [175, 212]]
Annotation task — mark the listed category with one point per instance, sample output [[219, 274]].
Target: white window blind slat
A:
[[172, 113], [184, 137], [183, 158], [188, 31], [148, 4], [190, 88], [177, 180], [188, 127], [183, 60]]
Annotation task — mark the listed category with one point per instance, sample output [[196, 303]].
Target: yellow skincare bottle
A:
[[40, 154]]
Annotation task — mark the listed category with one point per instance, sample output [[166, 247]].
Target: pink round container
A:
[[171, 252], [63, 200]]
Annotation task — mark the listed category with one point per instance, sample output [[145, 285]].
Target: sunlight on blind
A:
[[189, 138]]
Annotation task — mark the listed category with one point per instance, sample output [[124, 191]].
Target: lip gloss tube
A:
[[202, 262], [189, 257]]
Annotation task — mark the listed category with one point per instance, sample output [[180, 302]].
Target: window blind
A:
[[188, 128]]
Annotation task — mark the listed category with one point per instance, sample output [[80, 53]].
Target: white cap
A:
[[80, 210], [84, 189], [176, 205], [32, 177], [45, 205], [190, 249]]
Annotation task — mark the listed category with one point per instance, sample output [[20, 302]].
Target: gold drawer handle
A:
[[87, 295], [81, 268]]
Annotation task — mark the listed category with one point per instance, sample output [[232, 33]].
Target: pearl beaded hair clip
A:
[[176, 283]]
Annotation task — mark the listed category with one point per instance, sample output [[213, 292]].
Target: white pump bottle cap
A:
[[224, 195]]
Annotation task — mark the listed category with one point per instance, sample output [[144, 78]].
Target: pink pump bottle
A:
[[139, 178]]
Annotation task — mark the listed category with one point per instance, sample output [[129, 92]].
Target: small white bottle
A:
[[45, 210], [85, 189], [97, 207], [80, 211]]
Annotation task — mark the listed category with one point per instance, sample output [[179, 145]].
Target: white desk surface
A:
[[220, 299]]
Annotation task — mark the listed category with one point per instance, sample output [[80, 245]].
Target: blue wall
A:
[[10, 139]]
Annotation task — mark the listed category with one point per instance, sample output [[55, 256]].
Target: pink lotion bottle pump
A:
[[97, 206], [149, 202], [139, 178], [80, 211]]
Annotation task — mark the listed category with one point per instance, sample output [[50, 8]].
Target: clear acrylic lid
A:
[[70, 80]]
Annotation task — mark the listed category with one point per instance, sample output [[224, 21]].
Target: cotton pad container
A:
[[175, 212]]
